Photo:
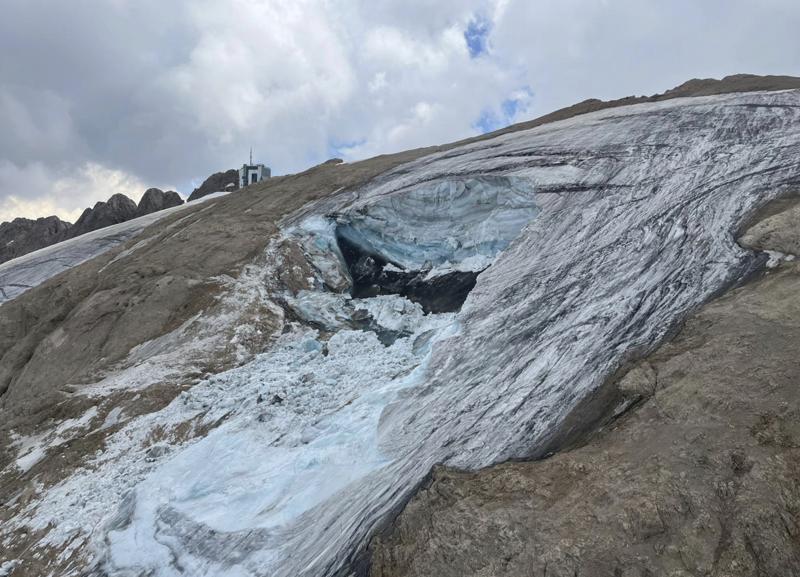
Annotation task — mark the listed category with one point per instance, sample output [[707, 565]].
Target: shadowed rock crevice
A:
[[373, 275]]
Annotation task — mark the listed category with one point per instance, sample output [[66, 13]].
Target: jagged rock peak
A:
[[155, 199], [219, 181], [23, 235], [118, 208]]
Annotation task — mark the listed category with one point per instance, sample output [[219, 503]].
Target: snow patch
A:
[[777, 257], [7, 567]]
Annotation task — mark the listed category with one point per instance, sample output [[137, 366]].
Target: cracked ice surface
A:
[[227, 503], [445, 221], [638, 205]]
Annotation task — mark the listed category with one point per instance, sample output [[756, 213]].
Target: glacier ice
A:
[[448, 220], [298, 427], [634, 213], [427, 243]]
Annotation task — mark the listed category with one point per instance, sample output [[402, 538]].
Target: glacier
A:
[[591, 238]]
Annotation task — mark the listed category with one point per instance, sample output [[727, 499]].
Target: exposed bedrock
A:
[[227, 180], [777, 229], [119, 208], [155, 199], [372, 275], [22, 235]]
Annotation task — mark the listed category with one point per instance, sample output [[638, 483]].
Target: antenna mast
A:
[[251, 156]]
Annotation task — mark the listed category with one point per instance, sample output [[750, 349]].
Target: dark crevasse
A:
[[430, 243], [372, 277]]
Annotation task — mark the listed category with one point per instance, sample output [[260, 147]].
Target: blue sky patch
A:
[[487, 121], [477, 36]]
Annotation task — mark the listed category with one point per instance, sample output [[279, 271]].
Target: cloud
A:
[[144, 92]]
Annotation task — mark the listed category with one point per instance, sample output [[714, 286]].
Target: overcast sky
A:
[[105, 96]]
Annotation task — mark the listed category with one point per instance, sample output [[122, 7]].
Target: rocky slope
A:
[[695, 469], [219, 181], [22, 235], [299, 418]]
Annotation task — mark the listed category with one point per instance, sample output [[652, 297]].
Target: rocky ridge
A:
[[155, 199], [22, 236], [115, 210]]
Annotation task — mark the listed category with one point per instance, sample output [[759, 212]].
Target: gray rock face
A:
[[777, 231], [22, 235], [119, 208], [155, 199], [217, 182]]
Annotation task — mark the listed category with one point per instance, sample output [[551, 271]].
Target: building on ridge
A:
[[253, 173]]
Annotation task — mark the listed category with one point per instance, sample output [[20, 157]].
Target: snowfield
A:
[[601, 233]]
